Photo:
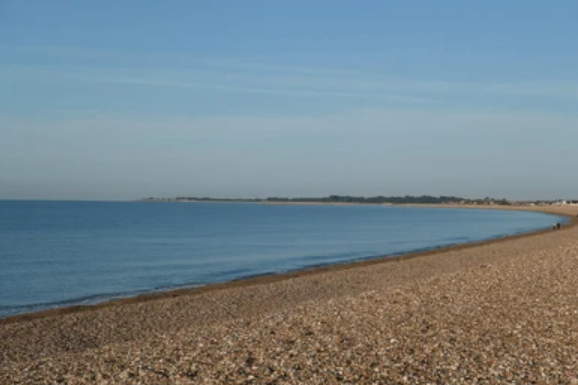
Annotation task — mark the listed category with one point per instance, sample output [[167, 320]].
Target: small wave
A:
[[459, 239], [325, 257], [79, 301]]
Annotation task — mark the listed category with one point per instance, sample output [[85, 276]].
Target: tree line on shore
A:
[[407, 199]]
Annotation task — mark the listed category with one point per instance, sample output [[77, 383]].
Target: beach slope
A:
[[497, 312]]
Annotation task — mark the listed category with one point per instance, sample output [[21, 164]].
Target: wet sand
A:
[[504, 311]]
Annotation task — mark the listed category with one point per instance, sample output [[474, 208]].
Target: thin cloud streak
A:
[[280, 79], [272, 91], [366, 121]]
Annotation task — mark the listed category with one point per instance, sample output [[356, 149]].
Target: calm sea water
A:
[[62, 253]]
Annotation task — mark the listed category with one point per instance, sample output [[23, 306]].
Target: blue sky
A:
[[119, 100]]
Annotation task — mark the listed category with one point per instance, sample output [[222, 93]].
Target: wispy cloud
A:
[[276, 89], [257, 76], [366, 122], [546, 89]]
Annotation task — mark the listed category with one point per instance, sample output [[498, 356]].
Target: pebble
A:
[[502, 313]]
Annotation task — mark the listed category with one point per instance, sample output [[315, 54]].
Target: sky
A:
[[115, 100]]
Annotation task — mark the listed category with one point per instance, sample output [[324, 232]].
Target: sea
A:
[[56, 254]]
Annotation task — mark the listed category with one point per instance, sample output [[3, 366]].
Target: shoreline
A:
[[308, 271], [502, 311]]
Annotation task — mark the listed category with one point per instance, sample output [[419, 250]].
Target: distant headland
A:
[[347, 199]]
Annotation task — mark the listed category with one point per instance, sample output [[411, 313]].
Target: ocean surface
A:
[[55, 254]]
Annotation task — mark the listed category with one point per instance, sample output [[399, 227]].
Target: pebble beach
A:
[[498, 312]]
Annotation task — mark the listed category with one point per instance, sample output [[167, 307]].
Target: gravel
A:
[[498, 313]]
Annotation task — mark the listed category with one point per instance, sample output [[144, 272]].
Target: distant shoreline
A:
[[331, 199], [511, 207], [420, 201]]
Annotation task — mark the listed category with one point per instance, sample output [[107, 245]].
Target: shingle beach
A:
[[501, 312]]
